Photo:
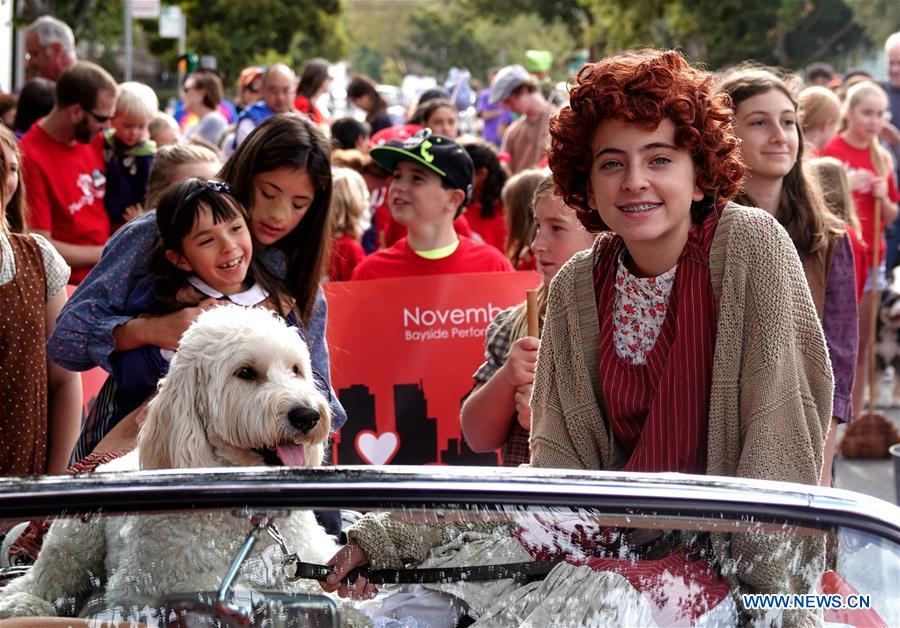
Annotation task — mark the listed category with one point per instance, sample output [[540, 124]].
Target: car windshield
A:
[[449, 563]]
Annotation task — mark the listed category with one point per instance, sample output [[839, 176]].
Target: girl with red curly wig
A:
[[765, 120], [686, 339]]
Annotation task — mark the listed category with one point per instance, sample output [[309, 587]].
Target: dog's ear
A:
[[173, 435]]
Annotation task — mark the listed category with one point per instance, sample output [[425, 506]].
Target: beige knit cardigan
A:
[[770, 400]]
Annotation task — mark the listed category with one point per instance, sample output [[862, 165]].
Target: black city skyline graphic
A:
[[416, 431]]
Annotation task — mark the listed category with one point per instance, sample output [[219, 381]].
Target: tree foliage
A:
[[441, 36], [878, 18], [375, 30], [101, 25], [72, 12], [791, 33], [239, 34]]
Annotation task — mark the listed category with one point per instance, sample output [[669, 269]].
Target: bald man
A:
[[279, 85]]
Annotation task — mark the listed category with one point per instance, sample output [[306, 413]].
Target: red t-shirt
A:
[[65, 186], [492, 230], [389, 231], [346, 253], [303, 105], [860, 255], [401, 261], [859, 159], [527, 261]]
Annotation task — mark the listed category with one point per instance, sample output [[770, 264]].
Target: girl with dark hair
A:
[[204, 251], [362, 93], [314, 81], [35, 101], [282, 175], [203, 92], [772, 147], [685, 340], [438, 114], [485, 213]]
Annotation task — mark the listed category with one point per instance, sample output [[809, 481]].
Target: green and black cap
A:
[[437, 153]]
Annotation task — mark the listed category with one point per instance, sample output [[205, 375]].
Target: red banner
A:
[[402, 356]]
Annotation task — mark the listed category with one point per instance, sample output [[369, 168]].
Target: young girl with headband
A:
[[205, 253]]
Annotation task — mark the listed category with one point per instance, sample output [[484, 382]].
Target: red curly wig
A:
[[643, 88]]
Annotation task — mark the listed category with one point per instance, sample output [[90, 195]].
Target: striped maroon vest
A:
[[659, 411]]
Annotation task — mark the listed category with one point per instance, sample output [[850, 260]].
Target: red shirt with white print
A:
[[65, 186]]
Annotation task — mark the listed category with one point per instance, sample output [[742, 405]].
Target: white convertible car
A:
[[447, 546]]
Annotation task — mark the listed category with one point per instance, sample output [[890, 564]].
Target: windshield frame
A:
[[364, 488]]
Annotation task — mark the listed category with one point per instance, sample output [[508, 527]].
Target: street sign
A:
[[171, 22], [144, 9]]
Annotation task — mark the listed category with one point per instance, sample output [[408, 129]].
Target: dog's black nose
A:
[[303, 418]]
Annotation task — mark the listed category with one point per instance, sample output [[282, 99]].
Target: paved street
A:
[[872, 477]]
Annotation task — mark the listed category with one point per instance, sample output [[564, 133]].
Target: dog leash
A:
[[651, 545], [519, 572]]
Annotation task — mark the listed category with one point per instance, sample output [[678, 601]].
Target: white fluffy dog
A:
[[239, 391]]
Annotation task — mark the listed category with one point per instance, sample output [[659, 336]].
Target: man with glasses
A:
[[49, 48], [62, 163]]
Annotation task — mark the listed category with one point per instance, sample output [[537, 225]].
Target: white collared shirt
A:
[[254, 295]]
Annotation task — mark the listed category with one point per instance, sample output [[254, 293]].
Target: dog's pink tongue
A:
[[291, 455]]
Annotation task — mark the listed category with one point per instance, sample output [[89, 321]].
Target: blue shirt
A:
[[83, 337]]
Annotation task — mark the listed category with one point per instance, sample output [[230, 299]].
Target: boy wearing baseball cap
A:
[[526, 140], [432, 182]]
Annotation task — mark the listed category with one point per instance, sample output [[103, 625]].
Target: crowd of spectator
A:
[[97, 176]]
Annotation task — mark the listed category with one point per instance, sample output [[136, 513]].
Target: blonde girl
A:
[[517, 196], [497, 414], [835, 187], [41, 401], [349, 201], [176, 162], [819, 115], [870, 171]]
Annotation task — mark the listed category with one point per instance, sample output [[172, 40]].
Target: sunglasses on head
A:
[[209, 186]]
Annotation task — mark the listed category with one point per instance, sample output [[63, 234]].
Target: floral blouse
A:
[[640, 309]]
